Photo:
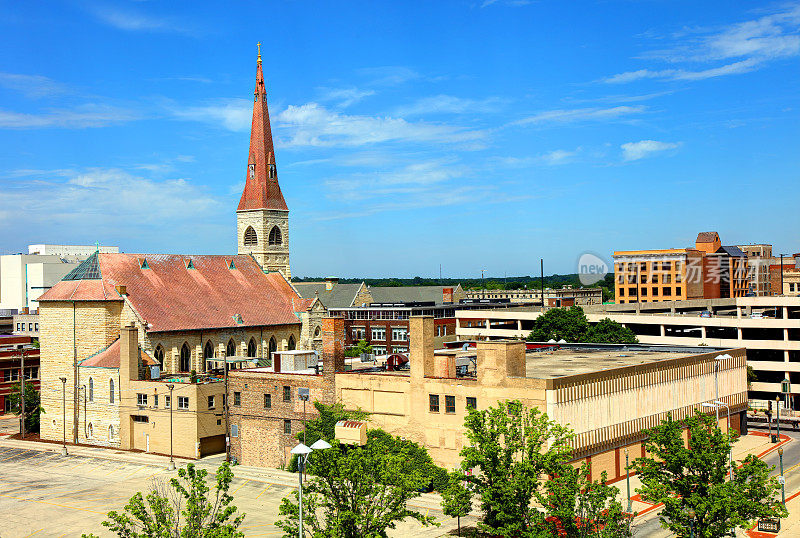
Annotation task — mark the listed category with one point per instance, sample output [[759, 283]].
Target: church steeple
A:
[[262, 219], [261, 189]]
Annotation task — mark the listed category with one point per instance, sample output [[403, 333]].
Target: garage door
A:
[[213, 444]]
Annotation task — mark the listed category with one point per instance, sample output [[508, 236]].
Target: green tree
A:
[[356, 491], [513, 450], [456, 499], [693, 477], [357, 350], [33, 406], [323, 427], [186, 511], [607, 331], [579, 507], [569, 324], [418, 456]]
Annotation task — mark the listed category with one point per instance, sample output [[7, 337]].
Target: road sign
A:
[[769, 525]]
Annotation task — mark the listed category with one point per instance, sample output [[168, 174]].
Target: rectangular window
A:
[[237, 399], [183, 402], [378, 350], [472, 402], [211, 402], [141, 399], [287, 426], [234, 430], [399, 349], [167, 402], [140, 418], [155, 400], [449, 404], [287, 394], [644, 292], [36, 326], [668, 291], [631, 292], [399, 334], [434, 402], [655, 291], [654, 280], [621, 292], [268, 401], [379, 333], [678, 290]]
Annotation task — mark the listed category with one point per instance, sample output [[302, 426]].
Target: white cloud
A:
[[559, 156], [313, 125], [633, 151], [132, 21], [31, 85], [344, 97], [110, 198], [742, 47], [232, 114], [390, 75], [84, 116], [513, 3], [581, 114], [448, 104]]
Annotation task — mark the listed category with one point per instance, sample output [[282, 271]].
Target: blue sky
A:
[[476, 135]]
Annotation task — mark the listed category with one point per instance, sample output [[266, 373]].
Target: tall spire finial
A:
[[259, 51]]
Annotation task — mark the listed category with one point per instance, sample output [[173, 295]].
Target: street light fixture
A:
[[64, 414], [777, 419], [718, 359], [628, 481], [782, 478], [716, 405], [691, 513], [302, 452]]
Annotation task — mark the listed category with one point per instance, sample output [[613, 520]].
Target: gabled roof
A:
[[108, 357], [707, 237], [408, 294], [171, 294], [341, 296], [261, 188]]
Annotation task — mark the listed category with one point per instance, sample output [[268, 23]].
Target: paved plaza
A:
[[44, 494]]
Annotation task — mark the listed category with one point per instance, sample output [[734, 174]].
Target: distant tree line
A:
[[490, 283]]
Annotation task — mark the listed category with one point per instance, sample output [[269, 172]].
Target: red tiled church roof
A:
[[170, 296], [109, 357], [261, 189]]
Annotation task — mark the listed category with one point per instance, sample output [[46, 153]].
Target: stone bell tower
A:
[[262, 218]]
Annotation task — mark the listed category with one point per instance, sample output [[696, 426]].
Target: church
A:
[[128, 338]]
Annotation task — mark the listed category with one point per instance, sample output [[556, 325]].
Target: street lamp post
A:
[[628, 481], [777, 419], [783, 480], [171, 466], [64, 414], [718, 359], [302, 452], [728, 410]]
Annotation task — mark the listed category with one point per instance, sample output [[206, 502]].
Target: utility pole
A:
[[22, 389], [541, 266], [171, 467], [227, 416], [64, 414]]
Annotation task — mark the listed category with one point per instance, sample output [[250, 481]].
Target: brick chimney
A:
[[330, 282], [129, 353], [498, 360], [333, 338], [420, 330], [447, 295]]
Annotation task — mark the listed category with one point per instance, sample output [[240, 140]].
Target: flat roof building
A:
[[609, 394]]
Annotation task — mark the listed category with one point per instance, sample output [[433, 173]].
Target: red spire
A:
[[261, 190]]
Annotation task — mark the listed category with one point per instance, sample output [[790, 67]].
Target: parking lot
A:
[[45, 494]]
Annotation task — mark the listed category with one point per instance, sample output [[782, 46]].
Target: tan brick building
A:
[[189, 313], [606, 395]]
